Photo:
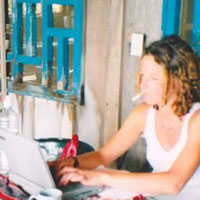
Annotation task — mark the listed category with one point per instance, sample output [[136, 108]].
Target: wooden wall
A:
[[140, 17], [103, 60], [109, 73]]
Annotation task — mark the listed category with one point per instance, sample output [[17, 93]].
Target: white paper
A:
[[115, 193]]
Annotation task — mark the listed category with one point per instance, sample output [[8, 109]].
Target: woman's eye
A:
[[151, 77]]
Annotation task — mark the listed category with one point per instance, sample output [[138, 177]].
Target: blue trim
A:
[[9, 57], [29, 1], [37, 61], [28, 60], [78, 23], [196, 26], [47, 41], [60, 58], [17, 37], [63, 2], [26, 89], [49, 32], [31, 30], [60, 32], [171, 17], [66, 61], [44, 40]]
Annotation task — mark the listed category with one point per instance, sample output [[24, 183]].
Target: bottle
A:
[[4, 165], [8, 121]]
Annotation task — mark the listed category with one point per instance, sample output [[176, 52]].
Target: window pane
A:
[[186, 20]]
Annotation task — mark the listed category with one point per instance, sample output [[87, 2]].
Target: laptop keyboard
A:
[[76, 190]]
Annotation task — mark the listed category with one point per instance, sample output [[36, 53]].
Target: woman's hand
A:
[[57, 165], [60, 163], [86, 177]]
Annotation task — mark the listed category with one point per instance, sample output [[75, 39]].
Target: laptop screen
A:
[[27, 166]]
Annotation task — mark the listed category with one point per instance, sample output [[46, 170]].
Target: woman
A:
[[168, 119]]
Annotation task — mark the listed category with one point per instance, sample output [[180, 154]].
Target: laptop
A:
[[28, 168]]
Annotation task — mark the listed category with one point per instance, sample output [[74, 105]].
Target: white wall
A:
[[41, 118]]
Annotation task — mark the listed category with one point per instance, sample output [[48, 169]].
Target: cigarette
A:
[[136, 97]]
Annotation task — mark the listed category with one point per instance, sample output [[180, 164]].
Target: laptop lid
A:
[[27, 166]]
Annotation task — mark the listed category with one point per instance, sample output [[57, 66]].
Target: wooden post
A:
[[2, 49], [103, 60], [114, 56]]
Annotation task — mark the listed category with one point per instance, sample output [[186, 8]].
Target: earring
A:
[[156, 106]]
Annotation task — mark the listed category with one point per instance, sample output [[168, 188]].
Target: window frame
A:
[[171, 15], [16, 85]]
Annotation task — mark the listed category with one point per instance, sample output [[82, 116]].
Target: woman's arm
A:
[[116, 146], [170, 182]]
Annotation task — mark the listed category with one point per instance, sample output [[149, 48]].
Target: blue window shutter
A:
[[196, 26], [63, 36], [171, 17]]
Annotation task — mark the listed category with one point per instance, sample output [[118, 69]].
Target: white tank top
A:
[[161, 160]]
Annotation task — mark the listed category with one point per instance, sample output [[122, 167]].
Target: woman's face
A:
[[152, 80]]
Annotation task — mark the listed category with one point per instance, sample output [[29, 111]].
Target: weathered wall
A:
[[109, 74], [41, 118], [140, 17], [103, 60]]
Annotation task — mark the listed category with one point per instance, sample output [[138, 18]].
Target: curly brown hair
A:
[[180, 61]]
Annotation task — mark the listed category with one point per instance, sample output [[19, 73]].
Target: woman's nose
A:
[[144, 84]]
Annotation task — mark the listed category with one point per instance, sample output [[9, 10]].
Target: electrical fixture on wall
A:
[[137, 42]]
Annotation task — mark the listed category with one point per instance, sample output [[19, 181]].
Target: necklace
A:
[[167, 121], [167, 126]]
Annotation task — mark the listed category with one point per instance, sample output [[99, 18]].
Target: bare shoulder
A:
[[140, 110], [137, 117], [195, 119], [194, 124]]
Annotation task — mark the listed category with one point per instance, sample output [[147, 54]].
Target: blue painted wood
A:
[[9, 57], [66, 61], [196, 26], [47, 47], [63, 2], [49, 34], [25, 59], [62, 73], [17, 37], [29, 60], [29, 1], [41, 92], [60, 58], [31, 30], [171, 17], [78, 23], [60, 32]]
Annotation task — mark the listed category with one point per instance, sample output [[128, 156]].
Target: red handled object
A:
[[6, 197], [139, 197], [70, 148]]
